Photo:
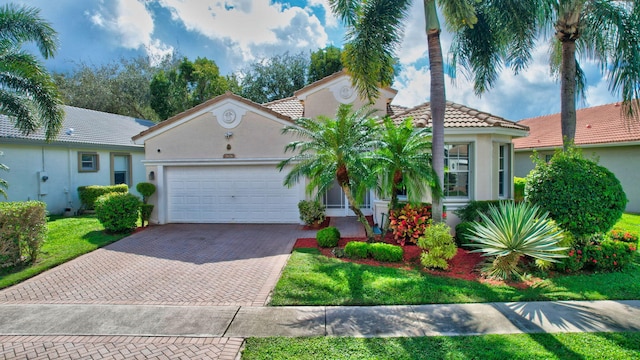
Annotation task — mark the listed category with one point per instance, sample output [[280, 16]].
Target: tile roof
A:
[[291, 107], [89, 127], [457, 116], [595, 125]]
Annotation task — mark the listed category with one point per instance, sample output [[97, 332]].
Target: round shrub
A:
[[518, 188], [312, 212], [356, 250], [118, 212], [146, 190], [328, 237], [580, 195], [438, 245], [386, 252]]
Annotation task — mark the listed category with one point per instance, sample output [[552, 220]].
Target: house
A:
[[93, 148], [217, 161], [601, 132]]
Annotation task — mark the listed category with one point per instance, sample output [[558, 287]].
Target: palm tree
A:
[[334, 149], [375, 29], [27, 92], [602, 30], [403, 160]]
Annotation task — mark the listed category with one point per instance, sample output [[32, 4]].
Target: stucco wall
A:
[[623, 161], [323, 102], [61, 166], [204, 138]]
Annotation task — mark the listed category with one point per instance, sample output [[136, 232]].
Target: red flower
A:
[[579, 252], [615, 263], [595, 261]]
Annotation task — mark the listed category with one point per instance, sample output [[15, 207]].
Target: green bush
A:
[[438, 246], [146, 190], [580, 195], [386, 252], [118, 212], [621, 235], [610, 255], [518, 188], [23, 227], [472, 211], [463, 231], [145, 213], [312, 212], [328, 237], [89, 194], [356, 250]]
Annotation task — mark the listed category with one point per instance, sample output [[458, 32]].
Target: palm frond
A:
[[20, 24]]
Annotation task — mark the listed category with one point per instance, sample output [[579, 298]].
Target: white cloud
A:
[[252, 29], [132, 24], [329, 19]]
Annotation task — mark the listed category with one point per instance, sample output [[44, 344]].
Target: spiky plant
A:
[[511, 231]]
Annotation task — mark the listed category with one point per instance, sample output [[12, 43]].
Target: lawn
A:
[[521, 346], [313, 279], [67, 239]]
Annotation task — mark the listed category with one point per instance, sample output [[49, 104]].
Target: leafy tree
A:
[[324, 62], [404, 161], [274, 78], [3, 182], [374, 30], [118, 87], [605, 31], [334, 149], [185, 85], [27, 92]]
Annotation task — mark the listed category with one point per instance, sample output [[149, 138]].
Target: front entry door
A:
[[337, 204]]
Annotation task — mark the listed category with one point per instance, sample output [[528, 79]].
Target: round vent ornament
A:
[[229, 116]]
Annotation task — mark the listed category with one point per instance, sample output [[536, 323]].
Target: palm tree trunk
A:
[[437, 101], [353, 206], [568, 93]]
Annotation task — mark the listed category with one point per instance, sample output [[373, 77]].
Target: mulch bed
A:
[[324, 224], [464, 265]]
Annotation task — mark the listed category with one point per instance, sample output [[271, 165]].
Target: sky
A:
[[235, 33]]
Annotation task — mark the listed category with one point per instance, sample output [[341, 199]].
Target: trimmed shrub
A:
[[145, 213], [312, 212], [472, 211], [386, 252], [146, 190], [328, 237], [409, 222], [118, 212], [438, 246], [23, 227], [610, 255], [580, 195], [518, 188], [356, 250], [625, 236], [463, 231], [89, 194]]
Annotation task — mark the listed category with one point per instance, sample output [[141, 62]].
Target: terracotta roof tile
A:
[[595, 125], [291, 107], [456, 116]]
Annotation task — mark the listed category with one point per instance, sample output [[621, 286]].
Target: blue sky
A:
[[235, 33]]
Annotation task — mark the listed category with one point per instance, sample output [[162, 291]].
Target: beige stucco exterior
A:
[[623, 161]]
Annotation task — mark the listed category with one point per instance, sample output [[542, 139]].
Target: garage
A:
[[230, 194]]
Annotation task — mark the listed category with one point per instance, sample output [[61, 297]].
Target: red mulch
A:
[[324, 224], [464, 265]]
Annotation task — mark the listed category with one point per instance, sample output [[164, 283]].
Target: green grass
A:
[[520, 346], [67, 239], [629, 222], [312, 279]]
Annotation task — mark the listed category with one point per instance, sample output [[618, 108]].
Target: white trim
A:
[[494, 130], [162, 198], [205, 162]]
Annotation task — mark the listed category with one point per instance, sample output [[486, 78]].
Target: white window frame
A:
[[453, 168]]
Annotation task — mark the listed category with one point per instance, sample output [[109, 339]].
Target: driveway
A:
[[177, 264]]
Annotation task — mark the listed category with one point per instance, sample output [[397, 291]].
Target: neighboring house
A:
[[216, 163], [93, 148], [601, 132]]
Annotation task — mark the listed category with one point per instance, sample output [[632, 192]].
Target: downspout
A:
[[68, 188]]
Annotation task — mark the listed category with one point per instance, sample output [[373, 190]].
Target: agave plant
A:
[[511, 231]]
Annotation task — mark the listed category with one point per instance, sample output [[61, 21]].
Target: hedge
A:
[[23, 227], [89, 194]]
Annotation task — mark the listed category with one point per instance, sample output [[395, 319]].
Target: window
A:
[[120, 169], [88, 162], [503, 171], [456, 178]]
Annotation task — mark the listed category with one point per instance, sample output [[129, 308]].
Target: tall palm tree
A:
[[27, 92], [403, 160], [602, 30], [334, 149], [375, 29]]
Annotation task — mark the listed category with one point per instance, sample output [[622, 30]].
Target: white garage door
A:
[[230, 194]]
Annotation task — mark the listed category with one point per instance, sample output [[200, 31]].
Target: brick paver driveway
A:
[[178, 264]]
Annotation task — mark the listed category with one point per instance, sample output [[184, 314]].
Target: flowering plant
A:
[[621, 235], [409, 222]]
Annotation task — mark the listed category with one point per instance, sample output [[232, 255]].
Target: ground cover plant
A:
[[67, 238], [519, 346]]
